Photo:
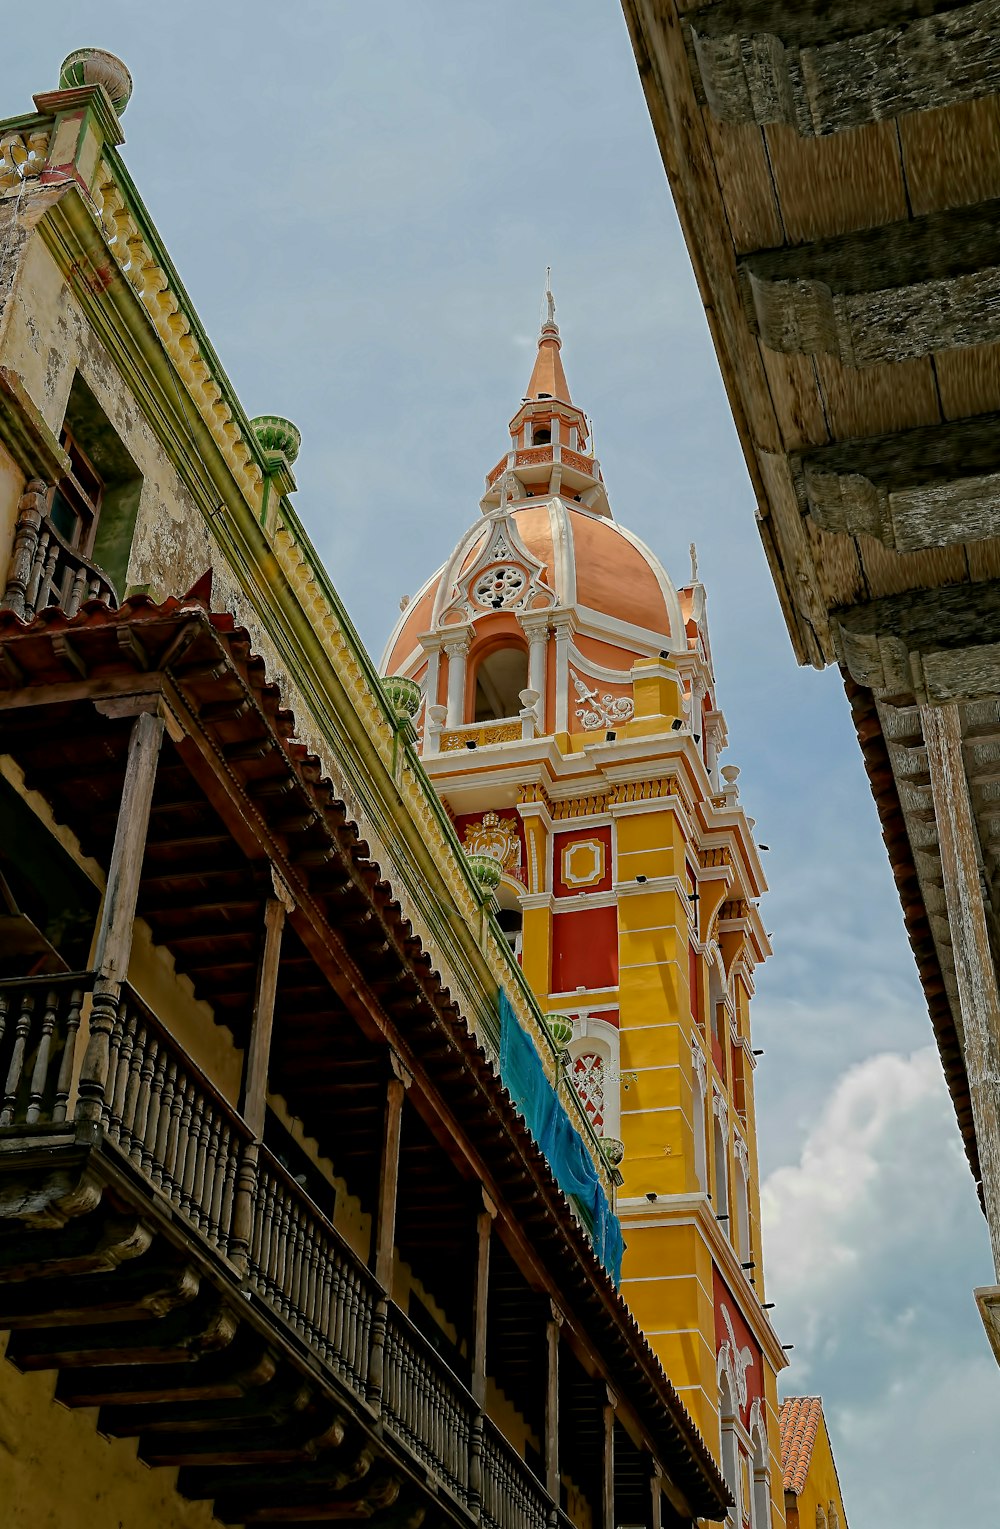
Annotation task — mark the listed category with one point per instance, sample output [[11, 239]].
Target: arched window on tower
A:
[[699, 1104], [729, 1420], [720, 1185], [741, 1195], [760, 1498], [500, 678], [510, 918]]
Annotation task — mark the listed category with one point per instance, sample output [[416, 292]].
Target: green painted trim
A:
[[122, 323]]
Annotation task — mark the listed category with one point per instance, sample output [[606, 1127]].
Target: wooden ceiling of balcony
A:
[[237, 798]]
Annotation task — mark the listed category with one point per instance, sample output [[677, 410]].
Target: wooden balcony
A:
[[406, 1320]]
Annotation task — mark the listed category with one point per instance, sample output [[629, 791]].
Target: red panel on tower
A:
[[585, 949], [581, 862]]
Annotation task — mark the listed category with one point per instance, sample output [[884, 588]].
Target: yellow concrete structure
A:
[[813, 1498], [568, 718]]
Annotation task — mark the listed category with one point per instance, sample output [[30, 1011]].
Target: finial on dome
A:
[[694, 563], [550, 302], [94, 66]]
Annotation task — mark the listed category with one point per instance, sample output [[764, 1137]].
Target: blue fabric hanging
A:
[[524, 1078]]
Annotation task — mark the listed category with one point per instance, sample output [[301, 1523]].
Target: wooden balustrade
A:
[[39, 1023], [426, 1404], [513, 1498], [185, 1139], [299, 1263], [45, 570], [171, 1122]]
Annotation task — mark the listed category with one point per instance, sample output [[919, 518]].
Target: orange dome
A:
[[582, 560]]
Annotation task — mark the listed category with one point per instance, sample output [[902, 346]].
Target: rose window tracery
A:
[[588, 1079], [500, 586]]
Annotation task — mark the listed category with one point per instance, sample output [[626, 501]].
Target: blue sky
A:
[[362, 202]]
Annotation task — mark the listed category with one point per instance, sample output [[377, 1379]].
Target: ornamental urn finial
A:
[[277, 436], [94, 66]]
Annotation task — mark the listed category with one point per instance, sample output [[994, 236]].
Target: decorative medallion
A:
[[583, 862], [500, 587], [600, 710], [497, 838]]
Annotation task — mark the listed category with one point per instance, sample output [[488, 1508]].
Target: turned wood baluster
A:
[[47, 571], [273, 1250], [122, 1078], [302, 1276], [40, 1072], [21, 1032], [154, 1115], [313, 1290], [257, 1231], [4, 1011], [30, 509], [64, 1082], [115, 1040], [339, 1300], [198, 1213], [146, 1070], [187, 1156], [290, 1273], [228, 1191], [77, 591], [218, 1156], [173, 1157], [206, 1197], [326, 1307], [139, 1037], [281, 1253]]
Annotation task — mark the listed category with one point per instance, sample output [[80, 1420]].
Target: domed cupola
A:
[[534, 623]]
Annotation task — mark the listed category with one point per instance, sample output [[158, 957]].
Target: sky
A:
[[362, 202]]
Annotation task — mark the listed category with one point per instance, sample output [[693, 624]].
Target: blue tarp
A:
[[524, 1078]]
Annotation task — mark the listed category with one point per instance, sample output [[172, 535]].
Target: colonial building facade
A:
[[836, 176], [568, 718], [275, 1247]]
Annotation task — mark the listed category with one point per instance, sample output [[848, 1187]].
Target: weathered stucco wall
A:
[[57, 1472]]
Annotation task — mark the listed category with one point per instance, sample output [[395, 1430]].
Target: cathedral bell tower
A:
[[569, 722]]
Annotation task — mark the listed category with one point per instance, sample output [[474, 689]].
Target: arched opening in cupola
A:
[[501, 675], [541, 435]]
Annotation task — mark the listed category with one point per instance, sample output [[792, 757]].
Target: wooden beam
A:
[[975, 970]]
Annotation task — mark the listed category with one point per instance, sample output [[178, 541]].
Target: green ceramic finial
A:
[[93, 66], [277, 435]]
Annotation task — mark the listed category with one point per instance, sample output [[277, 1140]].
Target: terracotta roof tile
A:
[[799, 1418]]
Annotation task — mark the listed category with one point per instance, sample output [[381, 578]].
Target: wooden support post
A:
[[608, 1402], [258, 1053], [553, 1323], [114, 934], [656, 1496], [477, 1385], [975, 971], [255, 1067], [384, 1228]]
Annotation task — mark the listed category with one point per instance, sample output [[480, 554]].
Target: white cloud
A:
[[873, 1242]]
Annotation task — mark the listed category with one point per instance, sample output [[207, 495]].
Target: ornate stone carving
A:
[[497, 838], [588, 1080], [600, 710], [738, 1360]]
